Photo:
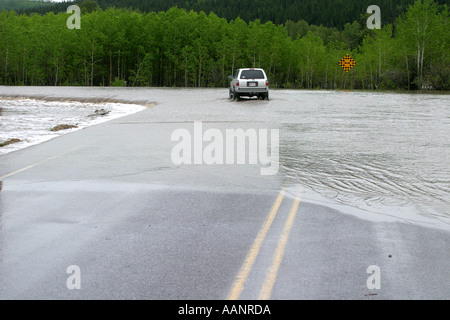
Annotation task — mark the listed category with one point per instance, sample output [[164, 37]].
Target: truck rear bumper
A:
[[251, 90]]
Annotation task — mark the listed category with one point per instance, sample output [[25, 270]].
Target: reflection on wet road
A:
[[366, 150], [369, 150], [109, 200]]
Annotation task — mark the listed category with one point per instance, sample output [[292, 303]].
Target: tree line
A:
[[180, 48], [23, 5], [329, 13]]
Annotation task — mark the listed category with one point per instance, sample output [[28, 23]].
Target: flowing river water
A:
[[387, 153]]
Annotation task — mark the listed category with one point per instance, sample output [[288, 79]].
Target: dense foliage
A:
[[329, 13], [188, 48], [24, 5]]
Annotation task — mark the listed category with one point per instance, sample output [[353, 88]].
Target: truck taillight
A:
[[237, 84], [267, 83]]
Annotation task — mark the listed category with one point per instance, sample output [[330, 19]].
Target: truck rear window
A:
[[252, 74]]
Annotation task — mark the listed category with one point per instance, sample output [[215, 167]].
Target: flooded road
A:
[[362, 179], [31, 121], [368, 150]]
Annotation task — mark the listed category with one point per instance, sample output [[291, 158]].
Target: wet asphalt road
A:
[[109, 200]]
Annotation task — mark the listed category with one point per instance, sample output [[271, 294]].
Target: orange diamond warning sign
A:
[[347, 63]]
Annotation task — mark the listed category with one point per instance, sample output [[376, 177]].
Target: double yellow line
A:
[[267, 286]]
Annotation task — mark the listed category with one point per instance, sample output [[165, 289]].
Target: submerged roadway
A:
[[104, 213]]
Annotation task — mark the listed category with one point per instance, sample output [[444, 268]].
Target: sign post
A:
[[347, 63]]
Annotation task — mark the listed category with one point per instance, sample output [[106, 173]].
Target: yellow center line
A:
[[266, 289], [238, 285], [37, 163]]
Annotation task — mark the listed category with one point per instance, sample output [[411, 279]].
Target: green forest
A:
[[178, 47], [329, 13], [23, 5]]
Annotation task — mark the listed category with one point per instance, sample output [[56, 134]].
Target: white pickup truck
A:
[[249, 82]]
